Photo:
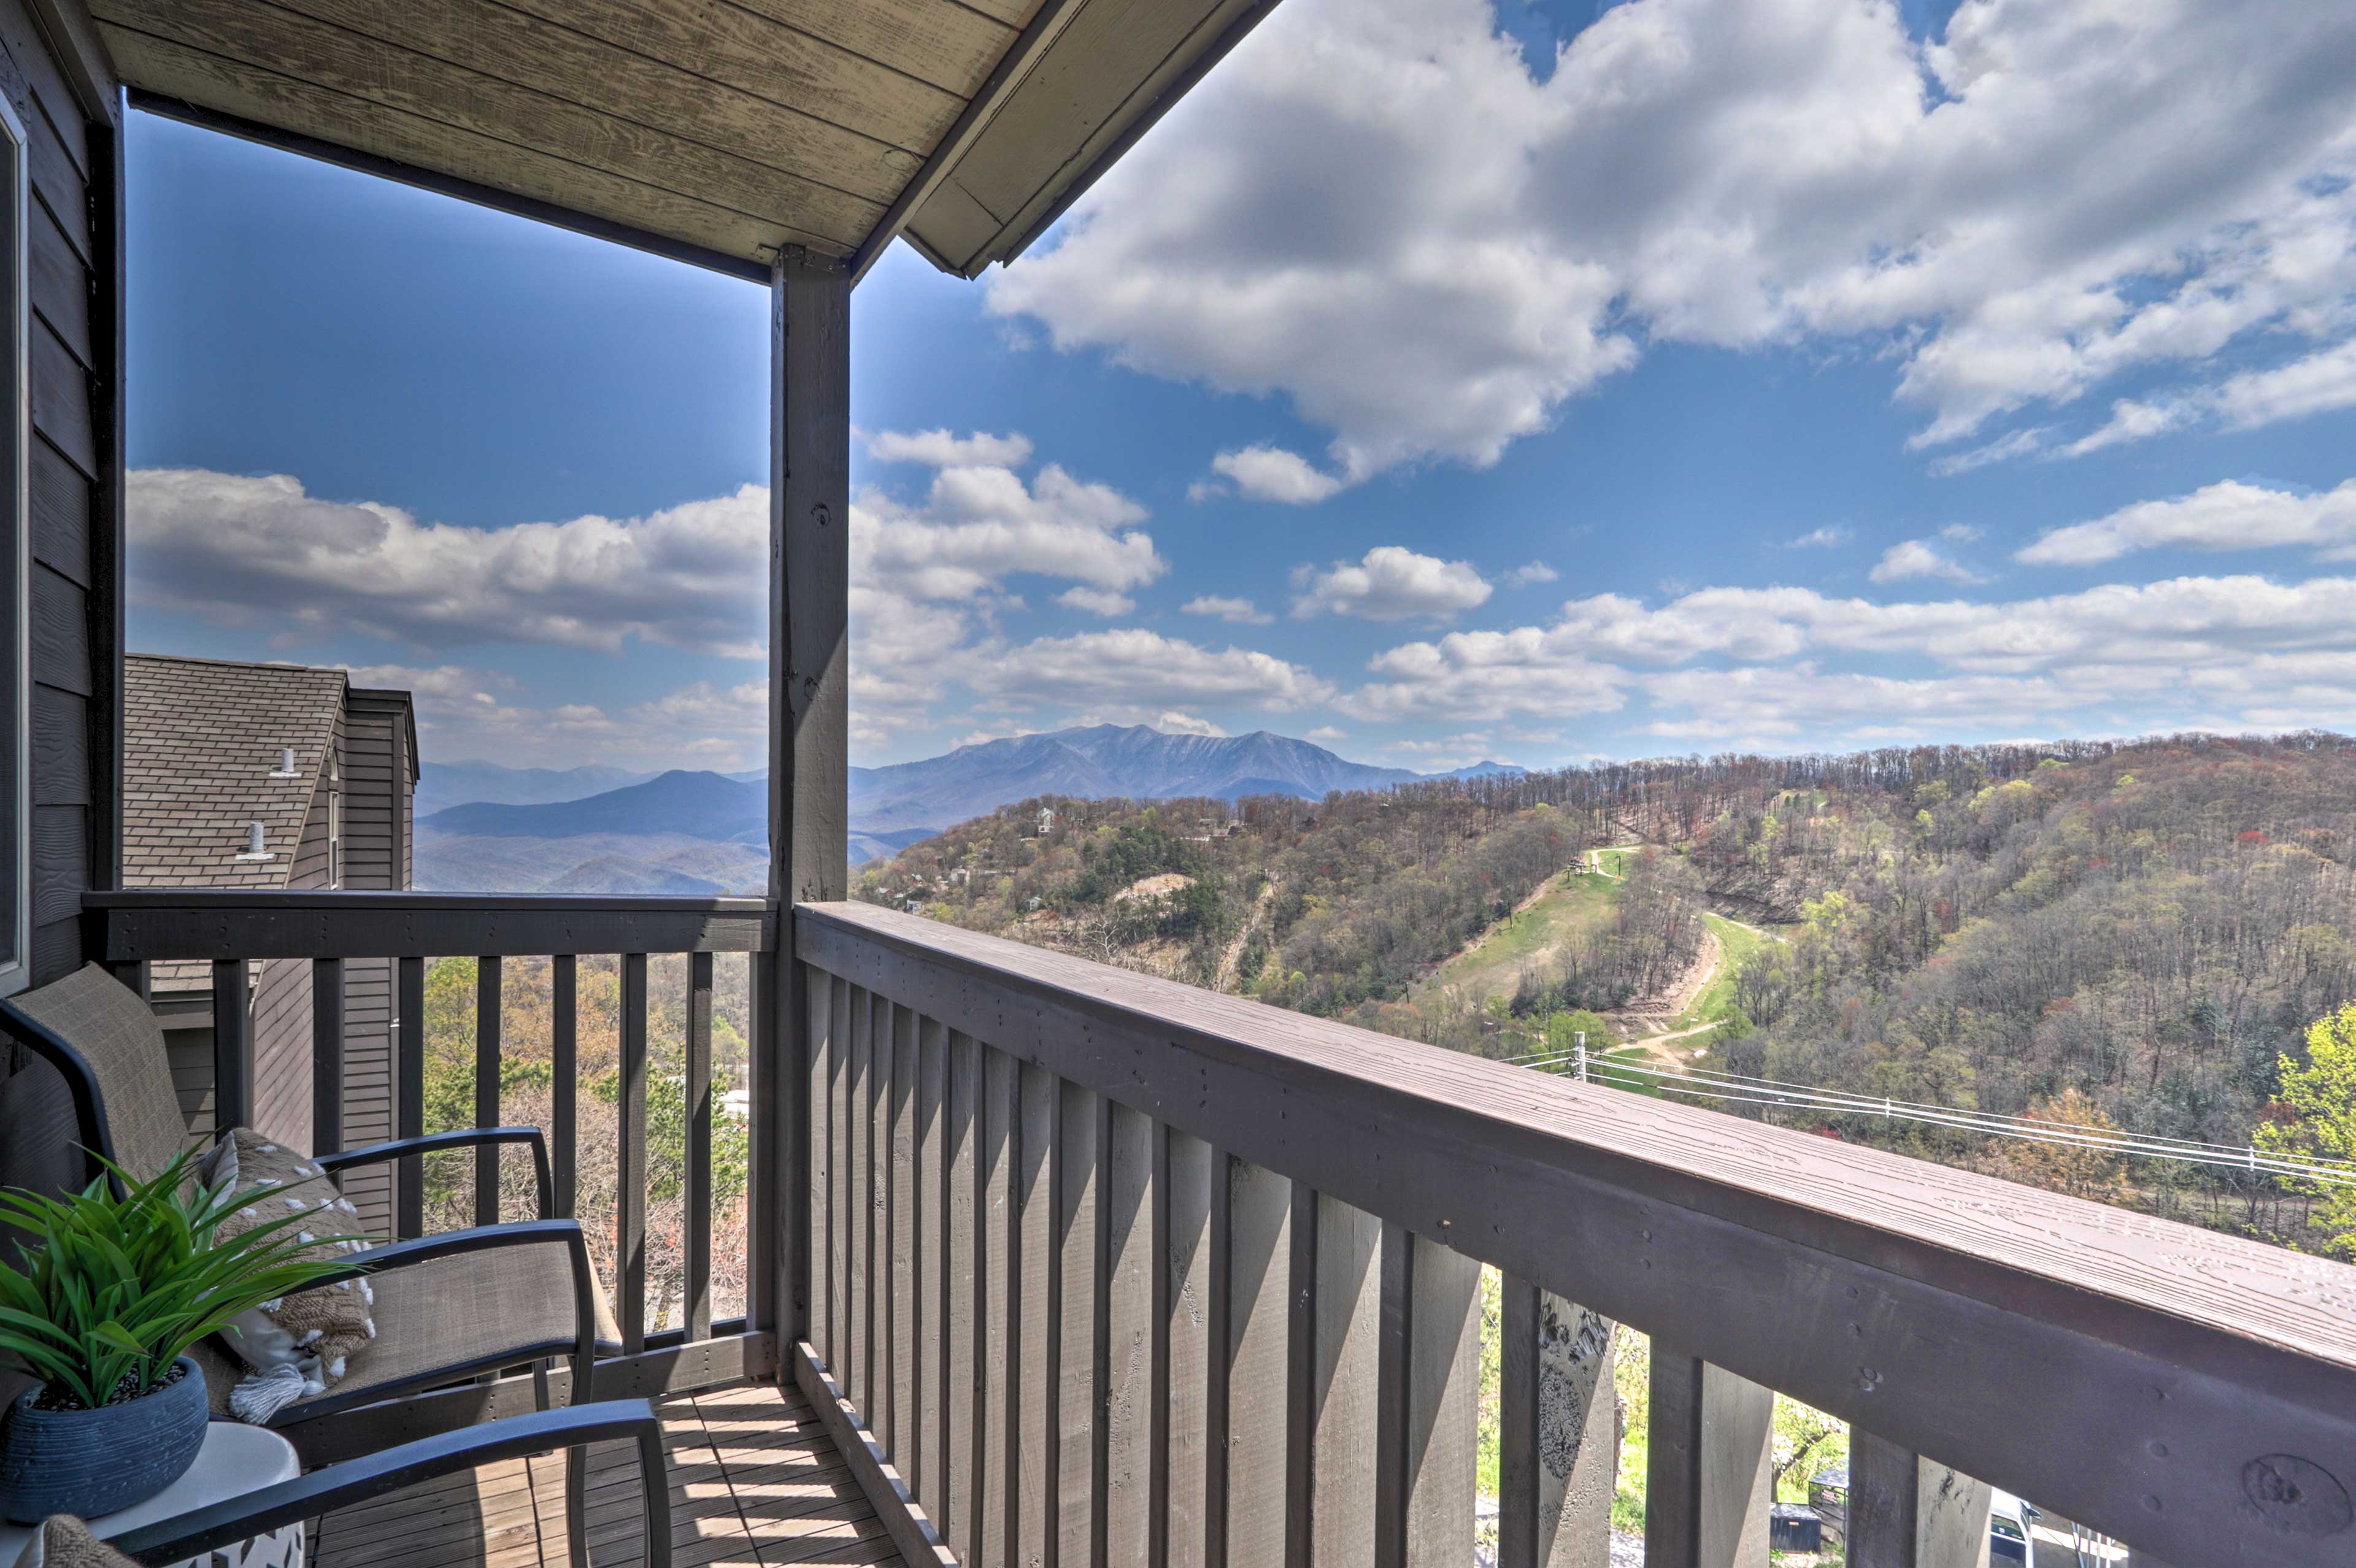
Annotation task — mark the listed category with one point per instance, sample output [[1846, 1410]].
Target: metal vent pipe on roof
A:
[[254, 848], [286, 759]]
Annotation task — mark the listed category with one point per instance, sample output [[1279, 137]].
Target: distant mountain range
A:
[[441, 785], [704, 832]]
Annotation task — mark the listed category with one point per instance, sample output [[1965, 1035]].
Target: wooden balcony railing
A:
[[1086, 1268], [1108, 1270], [329, 930]]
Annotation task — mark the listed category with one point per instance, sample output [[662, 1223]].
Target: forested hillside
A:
[[2130, 933]]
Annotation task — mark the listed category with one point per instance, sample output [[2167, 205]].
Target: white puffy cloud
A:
[[1377, 209], [1918, 558], [2226, 516], [2019, 443], [1326, 735], [1096, 602], [1272, 474], [464, 711], [1757, 664], [1171, 721], [1393, 583], [945, 448], [1818, 538], [1534, 572], [254, 550], [1238, 611], [1132, 671], [930, 575]]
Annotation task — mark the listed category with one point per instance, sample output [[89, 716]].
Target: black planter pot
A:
[[93, 1462]]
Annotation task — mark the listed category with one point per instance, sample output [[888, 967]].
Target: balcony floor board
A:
[[754, 1481]]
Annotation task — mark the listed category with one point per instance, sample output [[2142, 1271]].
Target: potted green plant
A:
[[99, 1298]]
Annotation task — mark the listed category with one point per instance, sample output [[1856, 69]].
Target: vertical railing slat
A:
[[1907, 1512], [232, 1045], [825, 1060], [1251, 1367], [1558, 1431], [1708, 1483], [932, 1262], [1183, 1203], [996, 1121], [409, 1096], [876, 1404], [487, 1088], [328, 1057], [857, 1132], [839, 1185], [905, 1284], [1038, 1094], [631, 1197], [1077, 1311], [1343, 1398], [1303, 1379], [564, 1046], [963, 1315], [1443, 1392], [1130, 1412], [696, 1183]]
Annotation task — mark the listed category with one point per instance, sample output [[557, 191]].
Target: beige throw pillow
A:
[[300, 1344]]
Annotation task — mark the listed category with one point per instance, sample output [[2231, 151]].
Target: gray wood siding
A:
[[74, 593], [376, 795]]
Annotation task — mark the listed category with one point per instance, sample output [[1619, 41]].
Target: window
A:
[[16, 574]]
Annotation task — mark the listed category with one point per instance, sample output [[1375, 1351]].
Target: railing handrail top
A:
[[2100, 1266], [167, 925], [172, 897]]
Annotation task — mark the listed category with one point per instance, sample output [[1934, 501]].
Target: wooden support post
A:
[[810, 719], [1906, 1511], [409, 1096], [1558, 1431], [232, 1046], [327, 1057], [1709, 1485]]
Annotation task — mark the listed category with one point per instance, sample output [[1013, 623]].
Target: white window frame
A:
[[16, 452]]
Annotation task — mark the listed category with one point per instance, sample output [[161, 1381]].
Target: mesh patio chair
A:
[[464, 1302], [195, 1537]]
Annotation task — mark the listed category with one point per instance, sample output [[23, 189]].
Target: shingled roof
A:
[[201, 739]]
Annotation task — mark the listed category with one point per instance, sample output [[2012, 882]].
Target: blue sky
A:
[[1442, 381]]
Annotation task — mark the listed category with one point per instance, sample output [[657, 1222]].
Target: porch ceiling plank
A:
[[720, 132], [266, 99], [946, 45], [338, 59], [530, 52], [740, 48]]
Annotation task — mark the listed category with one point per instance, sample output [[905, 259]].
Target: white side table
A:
[[236, 1459]]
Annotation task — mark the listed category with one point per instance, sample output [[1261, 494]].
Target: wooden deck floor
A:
[[754, 1481]]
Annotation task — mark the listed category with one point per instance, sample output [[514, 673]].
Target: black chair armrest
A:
[[432, 1142], [205, 1529]]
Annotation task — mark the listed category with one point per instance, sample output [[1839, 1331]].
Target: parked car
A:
[[2009, 1537]]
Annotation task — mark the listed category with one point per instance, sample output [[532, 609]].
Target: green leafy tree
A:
[[2320, 1102]]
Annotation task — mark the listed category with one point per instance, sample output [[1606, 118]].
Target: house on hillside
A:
[[272, 776]]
